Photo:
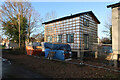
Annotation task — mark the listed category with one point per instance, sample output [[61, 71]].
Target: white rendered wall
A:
[[115, 32]]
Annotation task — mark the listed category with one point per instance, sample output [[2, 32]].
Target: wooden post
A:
[[96, 53]]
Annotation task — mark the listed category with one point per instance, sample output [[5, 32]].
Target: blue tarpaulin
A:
[[59, 49], [46, 52], [53, 46], [59, 54], [107, 49]]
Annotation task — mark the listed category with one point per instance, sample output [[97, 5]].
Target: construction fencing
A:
[[99, 53]]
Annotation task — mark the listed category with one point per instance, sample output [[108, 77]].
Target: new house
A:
[[79, 30]]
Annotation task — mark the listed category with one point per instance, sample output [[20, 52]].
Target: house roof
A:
[[114, 5], [72, 16]]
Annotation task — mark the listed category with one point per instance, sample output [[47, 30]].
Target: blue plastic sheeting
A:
[[53, 46], [110, 51], [46, 52], [107, 49], [59, 54]]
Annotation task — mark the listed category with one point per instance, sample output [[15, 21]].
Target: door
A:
[[86, 37]]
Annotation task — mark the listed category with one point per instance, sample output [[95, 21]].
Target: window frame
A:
[[86, 22], [87, 36], [59, 38], [49, 38], [71, 40]]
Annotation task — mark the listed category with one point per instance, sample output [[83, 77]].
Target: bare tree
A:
[[50, 15], [10, 9], [108, 28], [39, 36], [34, 22]]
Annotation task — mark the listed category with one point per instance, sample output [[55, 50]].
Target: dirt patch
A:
[[57, 69]]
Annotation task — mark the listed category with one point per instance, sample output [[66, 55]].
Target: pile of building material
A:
[[58, 51]]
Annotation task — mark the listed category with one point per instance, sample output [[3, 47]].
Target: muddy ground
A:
[[56, 69]]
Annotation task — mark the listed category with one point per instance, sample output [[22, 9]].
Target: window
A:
[[86, 41], [59, 38], [86, 22], [70, 38], [49, 38]]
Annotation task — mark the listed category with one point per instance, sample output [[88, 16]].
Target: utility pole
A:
[[19, 28]]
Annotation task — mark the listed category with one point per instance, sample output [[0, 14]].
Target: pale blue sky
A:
[[68, 8]]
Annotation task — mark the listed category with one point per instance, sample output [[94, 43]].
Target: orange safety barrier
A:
[[31, 51]]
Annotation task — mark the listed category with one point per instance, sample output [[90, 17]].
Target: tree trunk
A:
[[19, 30]]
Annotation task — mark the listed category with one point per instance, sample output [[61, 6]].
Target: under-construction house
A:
[[79, 30]]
